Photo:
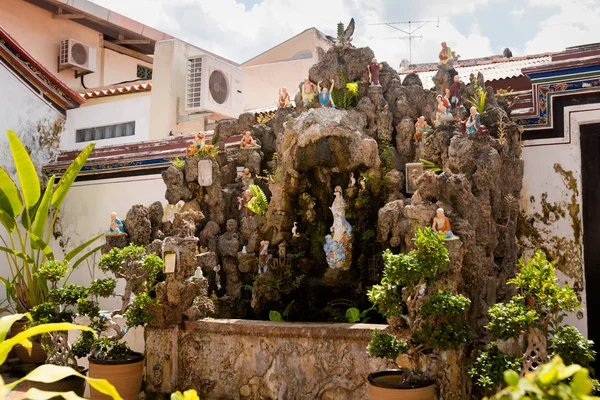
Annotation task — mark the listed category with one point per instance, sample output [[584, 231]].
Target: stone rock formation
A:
[[138, 225]]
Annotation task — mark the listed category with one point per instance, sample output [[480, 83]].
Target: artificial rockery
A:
[[318, 166]]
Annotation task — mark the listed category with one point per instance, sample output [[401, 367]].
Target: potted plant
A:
[[527, 331], [64, 305], [24, 213], [436, 319], [110, 359], [44, 373]]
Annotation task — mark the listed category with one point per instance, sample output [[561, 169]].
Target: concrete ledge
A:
[[308, 330]]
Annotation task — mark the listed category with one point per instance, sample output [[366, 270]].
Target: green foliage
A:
[[340, 30], [551, 381], [275, 316], [488, 369], [386, 156], [478, 99], [52, 271], [280, 317], [44, 373], [187, 395], [444, 321], [385, 345], [508, 320], [430, 166], [24, 212], [572, 347], [103, 287], [258, 204], [178, 162], [137, 314], [347, 96], [113, 350], [354, 315]]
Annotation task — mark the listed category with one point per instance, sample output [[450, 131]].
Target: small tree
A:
[[435, 321], [538, 309]]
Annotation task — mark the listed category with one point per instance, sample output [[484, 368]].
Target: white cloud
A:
[[576, 22], [229, 29]]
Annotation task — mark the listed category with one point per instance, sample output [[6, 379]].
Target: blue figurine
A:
[[116, 226]]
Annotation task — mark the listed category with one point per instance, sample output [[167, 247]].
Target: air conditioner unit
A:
[[213, 85], [77, 56]]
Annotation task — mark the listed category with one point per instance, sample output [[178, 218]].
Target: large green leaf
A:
[[86, 256], [51, 373], [14, 252], [41, 216], [22, 338], [6, 322], [69, 176], [38, 243], [80, 248], [10, 199], [7, 221], [28, 178]]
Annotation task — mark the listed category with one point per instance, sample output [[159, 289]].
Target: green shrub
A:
[[488, 369], [572, 347], [508, 320], [385, 345]]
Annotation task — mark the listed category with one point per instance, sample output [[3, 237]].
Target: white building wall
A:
[[543, 183], [116, 111]]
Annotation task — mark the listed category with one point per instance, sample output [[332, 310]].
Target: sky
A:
[[242, 29]]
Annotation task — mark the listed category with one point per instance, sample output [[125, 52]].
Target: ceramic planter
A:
[[386, 385], [70, 384], [38, 354], [125, 375]]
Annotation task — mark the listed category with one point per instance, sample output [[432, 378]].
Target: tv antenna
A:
[[410, 32]]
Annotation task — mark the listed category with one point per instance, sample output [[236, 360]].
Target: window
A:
[[105, 132], [144, 72]]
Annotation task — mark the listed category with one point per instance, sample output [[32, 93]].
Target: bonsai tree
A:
[[535, 313], [436, 321], [140, 272], [24, 214]]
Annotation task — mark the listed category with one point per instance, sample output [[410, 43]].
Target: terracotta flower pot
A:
[[125, 375], [386, 385], [38, 354], [72, 383]]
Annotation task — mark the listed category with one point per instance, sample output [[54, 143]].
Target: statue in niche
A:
[[455, 96], [473, 123], [247, 178], [309, 92], [248, 141], [352, 180], [337, 243], [217, 270], [116, 226], [374, 69], [325, 99], [420, 128], [284, 98], [441, 107], [441, 224], [295, 230], [263, 257]]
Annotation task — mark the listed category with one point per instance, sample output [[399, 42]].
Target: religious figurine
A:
[[309, 92], [213, 296], [337, 244], [325, 99], [363, 183], [284, 98], [352, 180], [248, 140], [247, 196], [446, 99], [244, 251], [441, 108], [116, 226], [455, 97], [198, 273], [199, 140], [374, 69], [263, 257], [247, 178], [473, 123], [441, 224], [217, 268], [445, 54], [420, 128], [295, 230]]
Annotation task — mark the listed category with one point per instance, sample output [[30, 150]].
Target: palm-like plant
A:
[[24, 213]]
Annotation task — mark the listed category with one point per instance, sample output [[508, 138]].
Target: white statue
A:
[[363, 183], [217, 268], [294, 230], [337, 244], [244, 251], [352, 180]]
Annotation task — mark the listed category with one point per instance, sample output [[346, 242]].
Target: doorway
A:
[[590, 183]]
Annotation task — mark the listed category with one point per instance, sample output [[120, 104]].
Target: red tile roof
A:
[[37, 74], [136, 87]]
